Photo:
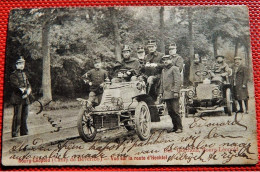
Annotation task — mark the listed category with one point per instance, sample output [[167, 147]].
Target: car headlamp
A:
[[215, 92], [190, 93]]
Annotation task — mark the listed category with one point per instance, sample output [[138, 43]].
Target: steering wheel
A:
[[201, 73]]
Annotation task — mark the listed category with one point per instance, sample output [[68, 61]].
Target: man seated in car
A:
[[221, 70], [129, 66]]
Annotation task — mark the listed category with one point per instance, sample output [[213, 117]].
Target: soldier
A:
[[220, 70], [240, 79], [141, 54], [20, 98], [177, 60], [170, 91], [152, 69], [96, 78], [129, 63]]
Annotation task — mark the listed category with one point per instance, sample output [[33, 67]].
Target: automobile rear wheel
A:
[[86, 128], [142, 120], [229, 102]]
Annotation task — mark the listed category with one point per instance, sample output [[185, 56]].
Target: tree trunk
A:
[[248, 62], [236, 48], [191, 47], [162, 26], [215, 44], [113, 13], [46, 66]]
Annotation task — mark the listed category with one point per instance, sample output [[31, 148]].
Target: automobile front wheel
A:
[[143, 120], [86, 128]]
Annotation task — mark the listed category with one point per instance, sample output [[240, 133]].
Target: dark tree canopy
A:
[[76, 35]]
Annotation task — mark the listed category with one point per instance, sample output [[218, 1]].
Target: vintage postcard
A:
[[129, 86]]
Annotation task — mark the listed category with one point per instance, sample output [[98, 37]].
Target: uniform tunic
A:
[[132, 63], [97, 77], [153, 58], [178, 61], [19, 81]]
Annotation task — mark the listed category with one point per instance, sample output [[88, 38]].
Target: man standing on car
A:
[[240, 79], [20, 98], [152, 69], [170, 91], [96, 78]]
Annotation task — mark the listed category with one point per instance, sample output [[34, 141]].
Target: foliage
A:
[[77, 35]]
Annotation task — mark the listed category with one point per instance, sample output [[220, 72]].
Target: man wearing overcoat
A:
[[170, 92], [239, 81], [20, 98]]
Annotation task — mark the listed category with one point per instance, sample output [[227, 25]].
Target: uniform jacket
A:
[[97, 77], [178, 61], [240, 78], [131, 64], [170, 82], [153, 58], [18, 80], [221, 68]]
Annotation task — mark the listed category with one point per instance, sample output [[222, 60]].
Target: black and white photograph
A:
[[159, 85]]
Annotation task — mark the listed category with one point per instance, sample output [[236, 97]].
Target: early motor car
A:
[[124, 103], [209, 95]]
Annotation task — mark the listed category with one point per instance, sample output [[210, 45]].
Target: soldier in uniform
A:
[[170, 92], [152, 69], [20, 98], [220, 70], [177, 60], [141, 54], [240, 79], [96, 78], [128, 62]]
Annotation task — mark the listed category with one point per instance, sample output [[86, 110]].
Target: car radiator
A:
[[105, 121]]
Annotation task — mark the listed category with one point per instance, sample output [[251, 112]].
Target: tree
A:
[[114, 17], [191, 48], [161, 28]]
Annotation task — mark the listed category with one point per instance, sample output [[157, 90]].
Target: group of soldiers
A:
[[163, 75]]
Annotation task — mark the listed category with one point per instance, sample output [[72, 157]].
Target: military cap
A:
[[219, 56], [166, 57], [237, 58], [140, 49], [126, 48], [20, 60], [151, 42], [173, 44]]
